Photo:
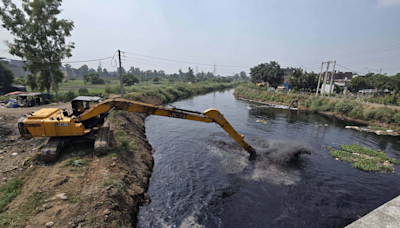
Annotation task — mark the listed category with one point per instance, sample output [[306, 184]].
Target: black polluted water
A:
[[202, 178]]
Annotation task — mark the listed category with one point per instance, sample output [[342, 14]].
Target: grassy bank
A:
[[166, 92], [95, 185], [383, 116]]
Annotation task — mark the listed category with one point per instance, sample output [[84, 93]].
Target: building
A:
[[16, 67], [339, 76], [284, 82]]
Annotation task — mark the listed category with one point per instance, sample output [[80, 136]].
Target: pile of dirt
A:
[[80, 189]]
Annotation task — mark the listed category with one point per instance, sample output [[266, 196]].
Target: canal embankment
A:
[[83, 190], [381, 120]]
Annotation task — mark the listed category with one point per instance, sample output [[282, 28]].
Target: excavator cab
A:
[[82, 103]]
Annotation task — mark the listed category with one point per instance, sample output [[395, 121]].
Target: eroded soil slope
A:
[[80, 189]]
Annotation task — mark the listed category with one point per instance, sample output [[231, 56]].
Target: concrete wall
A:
[[387, 215]]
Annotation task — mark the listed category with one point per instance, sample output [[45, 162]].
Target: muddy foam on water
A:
[[272, 163]]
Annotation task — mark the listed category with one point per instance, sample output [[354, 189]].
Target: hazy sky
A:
[[358, 34]]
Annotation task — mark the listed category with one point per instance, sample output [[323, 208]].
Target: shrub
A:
[[396, 118], [343, 107], [98, 81], [384, 114], [369, 114], [68, 96], [357, 113], [83, 91], [72, 79]]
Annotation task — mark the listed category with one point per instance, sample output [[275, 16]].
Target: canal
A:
[[202, 178]]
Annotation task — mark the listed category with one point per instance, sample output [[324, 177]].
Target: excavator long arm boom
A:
[[208, 116]]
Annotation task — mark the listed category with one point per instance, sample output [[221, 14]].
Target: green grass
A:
[[347, 107], [9, 191], [123, 142], [365, 159], [18, 218], [113, 180]]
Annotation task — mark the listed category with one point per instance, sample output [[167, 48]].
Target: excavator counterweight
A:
[[87, 124]]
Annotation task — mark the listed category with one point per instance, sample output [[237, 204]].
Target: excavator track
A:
[[55, 145], [101, 143]]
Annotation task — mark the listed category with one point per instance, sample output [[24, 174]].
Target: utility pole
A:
[[319, 79], [215, 70], [326, 75], [120, 74], [197, 70], [333, 74], [380, 71]]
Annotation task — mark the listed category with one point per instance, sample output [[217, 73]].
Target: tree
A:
[[99, 71], [86, 78], [357, 83], [181, 75], [94, 78], [236, 77], [6, 78], [83, 70], [171, 79], [266, 72], [190, 75], [243, 76], [123, 70], [303, 81], [68, 68], [39, 37], [156, 79], [129, 79], [105, 73]]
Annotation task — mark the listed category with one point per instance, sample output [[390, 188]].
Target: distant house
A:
[[339, 76], [16, 67], [284, 82]]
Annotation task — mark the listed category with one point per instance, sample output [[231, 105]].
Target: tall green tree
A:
[[243, 76], [39, 37], [303, 81], [190, 75], [266, 72], [6, 78], [83, 70], [68, 68], [105, 73], [357, 83]]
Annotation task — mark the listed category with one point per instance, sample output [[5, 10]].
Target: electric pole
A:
[[319, 79], [197, 70], [333, 74], [215, 70], [380, 71], [326, 75], [120, 74]]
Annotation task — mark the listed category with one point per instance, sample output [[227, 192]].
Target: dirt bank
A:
[[80, 189]]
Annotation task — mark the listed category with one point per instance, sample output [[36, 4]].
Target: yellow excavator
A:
[[86, 122]]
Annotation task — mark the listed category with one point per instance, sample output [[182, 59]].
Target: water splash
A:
[[272, 163]]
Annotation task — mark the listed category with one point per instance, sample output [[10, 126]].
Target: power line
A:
[[349, 69], [365, 52], [82, 61], [179, 61]]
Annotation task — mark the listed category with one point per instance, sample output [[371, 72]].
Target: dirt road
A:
[[21, 111]]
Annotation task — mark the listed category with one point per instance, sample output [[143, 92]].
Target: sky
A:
[[360, 35]]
